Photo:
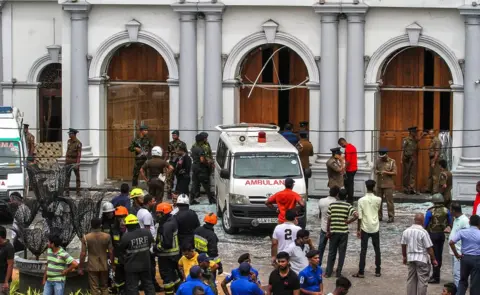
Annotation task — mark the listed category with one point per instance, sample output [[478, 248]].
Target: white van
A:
[[252, 162], [13, 155]]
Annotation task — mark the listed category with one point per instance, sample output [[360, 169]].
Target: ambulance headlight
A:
[[304, 197], [239, 199]]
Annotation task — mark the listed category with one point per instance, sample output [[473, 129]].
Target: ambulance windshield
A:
[[9, 154], [266, 165]]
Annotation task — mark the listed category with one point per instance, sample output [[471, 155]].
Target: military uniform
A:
[[334, 170], [30, 139], [145, 144], [433, 175], [445, 187], [74, 151], [409, 167], [172, 148], [386, 184], [201, 170], [153, 168]]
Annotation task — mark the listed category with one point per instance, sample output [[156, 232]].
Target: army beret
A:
[[199, 137], [414, 128], [204, 134], [176, 132], [143, 127]]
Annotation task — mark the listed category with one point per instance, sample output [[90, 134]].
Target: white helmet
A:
[[107, 207], [157, 151], [183, 199]]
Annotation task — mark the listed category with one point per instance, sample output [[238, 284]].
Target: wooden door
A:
[[50, 104], [299, 101], [262, 105], [137, 94]]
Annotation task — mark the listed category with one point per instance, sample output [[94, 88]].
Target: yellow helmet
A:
[[131, 219], [136, 192]]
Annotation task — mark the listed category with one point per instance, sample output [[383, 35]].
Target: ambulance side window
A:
[[221, 153]]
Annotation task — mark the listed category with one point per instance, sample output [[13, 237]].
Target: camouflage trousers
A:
[[169, 183], [136, 170]]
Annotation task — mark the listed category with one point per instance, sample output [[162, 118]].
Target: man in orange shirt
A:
[[350, 167], [285, 200]]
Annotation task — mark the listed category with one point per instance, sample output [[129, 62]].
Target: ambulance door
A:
[[221, 184]]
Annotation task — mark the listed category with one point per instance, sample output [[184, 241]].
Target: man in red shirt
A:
[[285, 200], [350, 167]]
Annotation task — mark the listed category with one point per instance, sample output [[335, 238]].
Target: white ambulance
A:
[[251, 164], [13, 155]]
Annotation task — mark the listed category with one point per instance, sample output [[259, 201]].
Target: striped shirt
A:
[[339, 212], [56, 264], [418, 241]]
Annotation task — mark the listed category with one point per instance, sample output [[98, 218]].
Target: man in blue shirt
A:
[[311, 276], [289, 135], [235, 275], [123, 199], [470, 257], [194, 280], [247, 283]]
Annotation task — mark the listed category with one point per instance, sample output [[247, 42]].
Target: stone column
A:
[[188, 68], [328, 135], [355, 115], [212, 107], [79, 102]]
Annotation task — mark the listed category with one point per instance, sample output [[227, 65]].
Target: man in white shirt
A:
[[145, 218], [369, 227], [461, 221], [323, 210], [298, 251], [284, 234], [416, 249]]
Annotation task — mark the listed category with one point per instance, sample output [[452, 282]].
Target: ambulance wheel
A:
[[227, 223]]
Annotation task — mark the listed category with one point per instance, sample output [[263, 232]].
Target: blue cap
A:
[[244, 267], [195, 271], [203, 258]]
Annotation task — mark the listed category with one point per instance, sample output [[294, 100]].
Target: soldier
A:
[[200, 171], [445, 183], [437, 219], [409, 161], [335, 168], [154, 167], [30, 140], [305, 151], [386, 170], [206, 147], [72, 156], [172, 156], [434, 154], [141, 146]]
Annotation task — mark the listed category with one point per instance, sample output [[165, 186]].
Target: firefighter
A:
[[108, 217], [187, 221], [117, 232], [167, 248], [206, 241]]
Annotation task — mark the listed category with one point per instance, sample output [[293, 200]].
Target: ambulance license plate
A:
[[267, 220]]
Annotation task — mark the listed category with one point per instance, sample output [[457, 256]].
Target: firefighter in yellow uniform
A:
[[206, 240], [167, 248]]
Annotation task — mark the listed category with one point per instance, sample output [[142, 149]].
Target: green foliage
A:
[[14, 287]]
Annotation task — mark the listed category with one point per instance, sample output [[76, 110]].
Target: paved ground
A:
[[393, 271]]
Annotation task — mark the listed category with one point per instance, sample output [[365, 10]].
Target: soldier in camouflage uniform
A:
[[445, 183], [201, 169], [409, 161], [434, 155], [72, 156], [206, 147], [141, 146], [30, 139], [171, 156]]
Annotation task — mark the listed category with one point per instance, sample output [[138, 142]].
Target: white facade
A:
[[29, 27]]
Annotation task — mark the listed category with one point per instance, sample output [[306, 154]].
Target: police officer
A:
[[437, 219], [289, 135], [187, 220], [434, 168], [445, 183], [155, 167], [30, 139], [311, 276], [206, 241], [117, 232], [167, 248], [305, 151], [409, 161], [172, 156], [194, 280], [72, 156], [200, 171], [135, 246], [386, 170], [335, 168], [141, 146]]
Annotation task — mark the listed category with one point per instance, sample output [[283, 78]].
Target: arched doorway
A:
[[280, 94], [415, 92], [138, 94], [50, 103]]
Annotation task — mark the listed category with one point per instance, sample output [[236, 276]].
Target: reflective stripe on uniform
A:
[[115, 260], [201, 244], [116, 237], [172, 251], [128, 251], [216, 260]]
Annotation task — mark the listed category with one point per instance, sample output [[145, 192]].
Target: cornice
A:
[[20, 85]]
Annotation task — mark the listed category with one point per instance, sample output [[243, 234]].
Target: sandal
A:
[[358, 275]]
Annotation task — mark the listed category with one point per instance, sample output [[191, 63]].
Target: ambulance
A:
[[13, 155], [251, 164]]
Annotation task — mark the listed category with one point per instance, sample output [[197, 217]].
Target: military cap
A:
[[383, 151], [26, 125], [204, 134], [143, 127], [303, 124], [336, 151], [176, 132], [412, 129], [199, 137], [370, 182], [72, 131]]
